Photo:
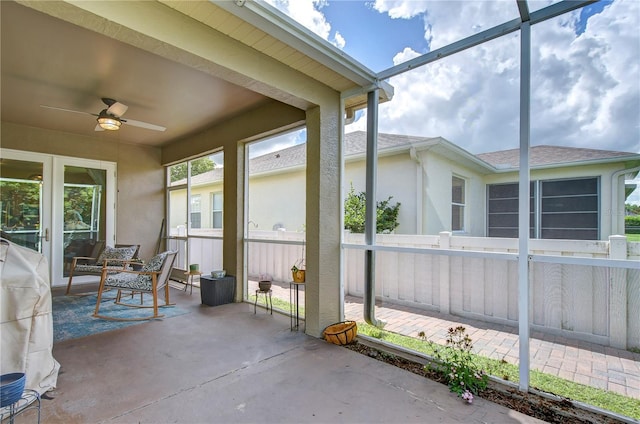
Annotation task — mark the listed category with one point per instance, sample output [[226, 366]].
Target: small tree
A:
[[355, 208], [198, 166]]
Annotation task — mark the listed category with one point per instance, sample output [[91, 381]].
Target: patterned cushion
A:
[[121, 253], [96, 269], [155, 263], [131, 281], [127, 280]]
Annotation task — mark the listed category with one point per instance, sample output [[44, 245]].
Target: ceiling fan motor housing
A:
[[108, 121]]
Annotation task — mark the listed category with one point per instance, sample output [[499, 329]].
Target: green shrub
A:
[[354, 213], [632, 224]]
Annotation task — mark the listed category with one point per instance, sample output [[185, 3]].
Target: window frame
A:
[[215, 211], [537, 213], [461, 205]]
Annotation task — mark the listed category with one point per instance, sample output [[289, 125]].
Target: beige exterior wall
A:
[[278, 199], [140, 176]]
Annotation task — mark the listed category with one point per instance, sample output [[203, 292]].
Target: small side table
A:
[[189, 280], [294, 302], [217, 291], [267, 301]]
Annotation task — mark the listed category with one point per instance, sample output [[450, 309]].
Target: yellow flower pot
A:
[[298, 276]]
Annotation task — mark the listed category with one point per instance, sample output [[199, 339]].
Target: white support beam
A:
[[524, 303]]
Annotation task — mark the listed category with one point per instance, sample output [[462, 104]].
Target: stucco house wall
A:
[[419, 177], [277, 200], [438, 172]]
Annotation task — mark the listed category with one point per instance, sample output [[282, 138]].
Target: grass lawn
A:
[[633, 237]]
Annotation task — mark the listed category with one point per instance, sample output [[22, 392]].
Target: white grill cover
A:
[[26, 328]]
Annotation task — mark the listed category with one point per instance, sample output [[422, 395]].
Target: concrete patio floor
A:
[[591, 364], [225, 364]]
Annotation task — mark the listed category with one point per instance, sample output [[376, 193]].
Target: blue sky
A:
[[585, 70], [376, 38]]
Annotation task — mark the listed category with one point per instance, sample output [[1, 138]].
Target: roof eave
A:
[[633, 159], [272, 21]]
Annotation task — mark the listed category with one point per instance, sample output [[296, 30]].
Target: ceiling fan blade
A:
[[67, 110], [141, 124], [98, 128], [117, 109]]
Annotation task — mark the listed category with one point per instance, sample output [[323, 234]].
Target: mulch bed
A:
[[534, 405]]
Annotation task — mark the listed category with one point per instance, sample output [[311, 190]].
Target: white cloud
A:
[[276, 143], [450, 21], [585, 88], [308, 14]]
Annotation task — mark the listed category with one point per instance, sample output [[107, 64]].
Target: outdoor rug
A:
[[72, 315]]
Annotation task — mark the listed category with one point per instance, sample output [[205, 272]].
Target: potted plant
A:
[[298, 271], [298, 268], [264, 282]]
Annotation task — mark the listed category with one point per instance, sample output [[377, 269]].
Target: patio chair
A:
[[152, 278], [93, 265]]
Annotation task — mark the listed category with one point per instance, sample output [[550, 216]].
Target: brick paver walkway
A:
[[583, 362]]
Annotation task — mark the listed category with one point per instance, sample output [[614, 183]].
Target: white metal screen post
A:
[[523, 205]]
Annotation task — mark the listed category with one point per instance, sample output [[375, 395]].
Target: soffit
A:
[[246, 33]]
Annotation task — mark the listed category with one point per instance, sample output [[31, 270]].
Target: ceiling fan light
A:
[[109, 123]]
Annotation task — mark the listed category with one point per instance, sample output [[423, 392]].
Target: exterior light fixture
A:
[[108, 122]]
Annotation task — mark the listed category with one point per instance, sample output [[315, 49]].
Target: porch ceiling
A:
[[69, 56]]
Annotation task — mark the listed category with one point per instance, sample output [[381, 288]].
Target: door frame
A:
[[52, 213]]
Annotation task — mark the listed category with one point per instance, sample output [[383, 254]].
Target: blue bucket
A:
[[11, 388]]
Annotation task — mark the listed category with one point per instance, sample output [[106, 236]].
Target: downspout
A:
[[615, 228], [413, 154], [370, 217]]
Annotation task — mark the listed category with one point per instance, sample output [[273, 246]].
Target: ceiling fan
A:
[[111, 117]]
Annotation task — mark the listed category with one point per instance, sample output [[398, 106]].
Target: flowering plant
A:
[[455, 362]]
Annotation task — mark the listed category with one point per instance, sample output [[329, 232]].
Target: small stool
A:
[[189, 281], [267, 301]]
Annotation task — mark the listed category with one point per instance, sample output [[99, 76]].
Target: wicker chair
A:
[[118, 257], [152, 278]]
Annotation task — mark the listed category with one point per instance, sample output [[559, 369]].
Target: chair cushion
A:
[[128, 280], [121, 253], [125, 280], [96, 269], [155, 263]]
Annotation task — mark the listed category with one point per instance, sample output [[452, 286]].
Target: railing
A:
[[574, 291], [205, 250], [589, 299], [274, 253]]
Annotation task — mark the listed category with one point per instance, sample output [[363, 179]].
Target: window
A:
[[502, 219], [457, 204], [568, 209], [216, 210], [196, 208]]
